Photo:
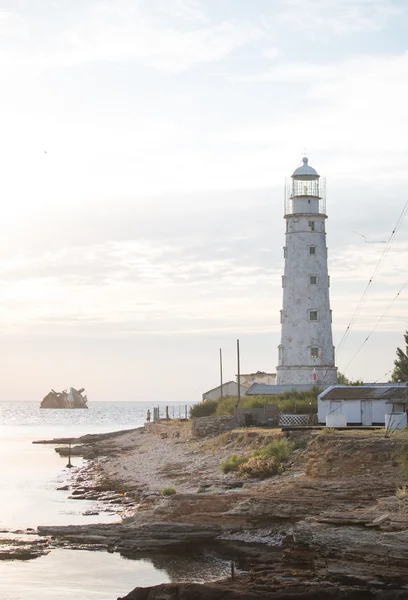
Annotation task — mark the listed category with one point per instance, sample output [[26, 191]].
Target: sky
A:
[[143, 153]]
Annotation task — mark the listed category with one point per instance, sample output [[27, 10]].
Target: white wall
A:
[[247, 379], [352, 410], [228, 389], [299, 334]]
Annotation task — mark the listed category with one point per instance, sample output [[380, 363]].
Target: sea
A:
[[30, 476]]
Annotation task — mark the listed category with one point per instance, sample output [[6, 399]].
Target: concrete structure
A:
[[230, 388], [306, 352], [247, 379], [343, 405], [258, 389]]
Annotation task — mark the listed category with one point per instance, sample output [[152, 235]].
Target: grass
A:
[[403, 460], [203, 409], [168, 491], [233, 463], [263, 462]]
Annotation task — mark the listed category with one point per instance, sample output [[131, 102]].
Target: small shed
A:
[[230, 388], [360, 404]]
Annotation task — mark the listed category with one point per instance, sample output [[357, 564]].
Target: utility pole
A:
[[238, 375], [222, 391]]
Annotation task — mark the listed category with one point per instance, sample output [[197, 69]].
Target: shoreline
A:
[[314, 519]]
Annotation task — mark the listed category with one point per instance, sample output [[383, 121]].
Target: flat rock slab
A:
[[133, 539]]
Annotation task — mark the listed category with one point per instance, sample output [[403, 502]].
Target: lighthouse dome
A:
[[305, 169]]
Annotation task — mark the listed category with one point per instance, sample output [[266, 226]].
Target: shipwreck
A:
[[70, 398]]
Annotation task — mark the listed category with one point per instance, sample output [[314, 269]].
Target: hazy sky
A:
[[143, 151]]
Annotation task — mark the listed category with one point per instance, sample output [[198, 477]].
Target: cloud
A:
[[100, 39], [318, 19]]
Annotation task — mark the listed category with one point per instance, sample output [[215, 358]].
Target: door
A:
[[366, 412]]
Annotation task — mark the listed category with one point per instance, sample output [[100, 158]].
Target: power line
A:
[[360, 303], [376, 325], [385, 375]]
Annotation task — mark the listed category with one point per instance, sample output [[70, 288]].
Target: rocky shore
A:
[[334, 524]]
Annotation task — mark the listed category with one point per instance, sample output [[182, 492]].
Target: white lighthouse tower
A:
[[306, 352]]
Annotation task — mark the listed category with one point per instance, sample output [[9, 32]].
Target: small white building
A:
[[230, 388], [342, 405], [248, 379]]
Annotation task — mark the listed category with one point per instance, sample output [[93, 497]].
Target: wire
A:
[[385, 375], [376, 325], [360, 303]]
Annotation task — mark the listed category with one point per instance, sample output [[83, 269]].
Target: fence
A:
[[170, 412], [287, 420]]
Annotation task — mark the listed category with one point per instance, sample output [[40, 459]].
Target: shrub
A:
[[203, 409], [202, 490], [232, 463], [168, 491], [260, 467], [277, 449]]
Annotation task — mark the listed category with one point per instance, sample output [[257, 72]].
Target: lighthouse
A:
[[306, 352]]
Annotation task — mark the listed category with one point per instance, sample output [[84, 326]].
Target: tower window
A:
[[283, 281], [314, 352], [312, 315], [311, 225], [312, 279], [312, 250], [329, 280], [285, 252]]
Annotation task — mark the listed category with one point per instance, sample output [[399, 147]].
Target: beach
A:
[[322, 526]]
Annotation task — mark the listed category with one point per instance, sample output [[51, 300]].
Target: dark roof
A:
[[260, 389], [364, 392]]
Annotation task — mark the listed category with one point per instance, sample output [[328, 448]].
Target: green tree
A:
[[343, 380], [400, 372]]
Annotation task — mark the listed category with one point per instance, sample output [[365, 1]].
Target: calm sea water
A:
[[30, 475]]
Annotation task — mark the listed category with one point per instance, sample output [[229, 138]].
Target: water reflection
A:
[[99, 575]]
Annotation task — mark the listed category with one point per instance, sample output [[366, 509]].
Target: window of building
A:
[[285, 252], [311, 225], [312, 279], [314, 352], [328, 280], [312, 315], [283, 281], [312, 250], [280, 349]]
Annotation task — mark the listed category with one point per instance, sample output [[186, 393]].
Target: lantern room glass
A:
[[305, 187]]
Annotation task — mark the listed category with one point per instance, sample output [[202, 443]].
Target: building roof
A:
[[218, 387], [260, 389], [364, 392], [305, 169]]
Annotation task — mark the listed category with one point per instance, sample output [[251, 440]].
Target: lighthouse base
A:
[[301, 375]]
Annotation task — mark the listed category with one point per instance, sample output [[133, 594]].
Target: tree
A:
[[400, 372], [343, 380]]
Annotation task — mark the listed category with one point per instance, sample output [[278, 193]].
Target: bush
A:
[[260, 467], [203, 409], [232, 463], [277, 449], [289, 402], [168, 492]]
